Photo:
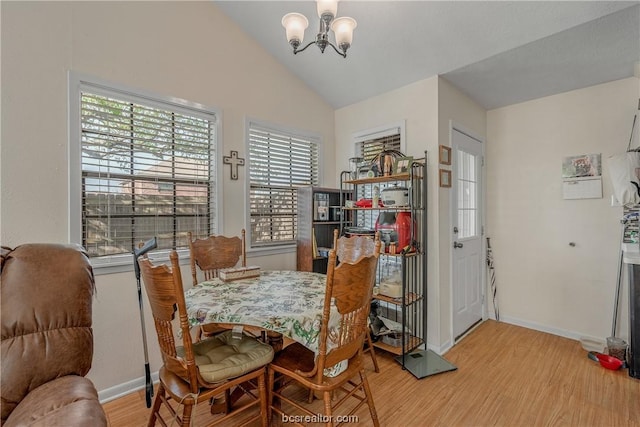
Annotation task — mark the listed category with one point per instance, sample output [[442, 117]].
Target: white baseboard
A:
[[446, 346], [437, 349], [441, 349], [123, 389], [542, 328]]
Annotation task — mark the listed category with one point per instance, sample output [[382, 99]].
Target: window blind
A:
[[147, 170], [369, 148], [279, 163]]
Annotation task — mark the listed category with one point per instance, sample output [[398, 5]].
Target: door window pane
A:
[[467, 195]]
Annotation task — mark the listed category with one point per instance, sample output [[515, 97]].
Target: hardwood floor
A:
[[506, 376]]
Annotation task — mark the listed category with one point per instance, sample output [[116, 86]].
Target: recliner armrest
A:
[[66, 401]]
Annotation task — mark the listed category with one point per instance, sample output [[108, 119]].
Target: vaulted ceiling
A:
[[498, 52]]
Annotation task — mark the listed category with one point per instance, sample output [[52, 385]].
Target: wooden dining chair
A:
[[195, 373], [210, 255], [349, 288], [214, 253], [350, 249]]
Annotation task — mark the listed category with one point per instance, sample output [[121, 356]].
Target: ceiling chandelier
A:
[[296, 23]]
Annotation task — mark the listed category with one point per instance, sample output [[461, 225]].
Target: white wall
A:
[[544, 282], [188, 50]]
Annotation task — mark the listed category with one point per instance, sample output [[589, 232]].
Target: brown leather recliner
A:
[[47, 340]]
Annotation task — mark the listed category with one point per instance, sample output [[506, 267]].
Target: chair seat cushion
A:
[[222, 357]]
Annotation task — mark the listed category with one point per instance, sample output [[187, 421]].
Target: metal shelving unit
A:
[[410, 310]]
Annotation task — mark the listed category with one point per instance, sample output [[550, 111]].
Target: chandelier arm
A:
[[344, 55], [300, 50]]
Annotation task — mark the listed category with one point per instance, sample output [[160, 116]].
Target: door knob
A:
[[457, 245]]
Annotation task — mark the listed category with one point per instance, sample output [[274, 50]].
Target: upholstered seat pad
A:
[[223, 357]]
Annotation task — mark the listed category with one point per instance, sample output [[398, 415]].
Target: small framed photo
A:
[[403, 164], [445, 178], [444, 155]]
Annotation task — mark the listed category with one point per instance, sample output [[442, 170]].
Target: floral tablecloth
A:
[[288, 302]]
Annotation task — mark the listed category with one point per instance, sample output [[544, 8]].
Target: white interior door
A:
[[467, 260]]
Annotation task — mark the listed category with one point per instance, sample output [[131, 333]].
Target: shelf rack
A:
[[410, 310]]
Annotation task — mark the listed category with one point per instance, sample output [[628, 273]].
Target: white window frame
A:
[[275, 248], [78, 82]]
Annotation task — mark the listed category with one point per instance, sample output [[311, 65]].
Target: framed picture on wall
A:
[[444, 155], [445, 178]]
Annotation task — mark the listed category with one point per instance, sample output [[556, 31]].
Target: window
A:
[[467, 191], [371, 147], [279, 162], [368, 145], [147, 167]]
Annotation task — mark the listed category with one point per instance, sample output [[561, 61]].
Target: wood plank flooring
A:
[[506, 376]]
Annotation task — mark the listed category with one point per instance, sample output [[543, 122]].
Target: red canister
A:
[[398, 226], [403, 227]]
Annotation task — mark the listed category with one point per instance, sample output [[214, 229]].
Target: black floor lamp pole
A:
[[148, 245]]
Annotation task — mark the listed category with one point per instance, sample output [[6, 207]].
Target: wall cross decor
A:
[[234, 161]]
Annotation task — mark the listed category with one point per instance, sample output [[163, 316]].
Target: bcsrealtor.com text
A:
[[320, 418]]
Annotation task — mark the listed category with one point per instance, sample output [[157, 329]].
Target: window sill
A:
[[124, 263], [270, 250]]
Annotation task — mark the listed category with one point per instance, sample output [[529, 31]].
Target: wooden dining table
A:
[[287, 302], [283, 302]]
